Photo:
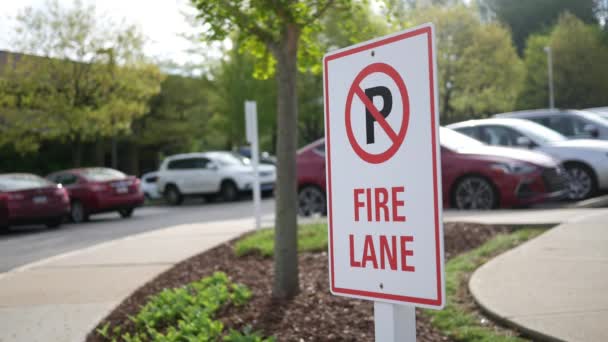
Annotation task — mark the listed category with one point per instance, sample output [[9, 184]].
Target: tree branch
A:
[[247, 23], [319, 13]]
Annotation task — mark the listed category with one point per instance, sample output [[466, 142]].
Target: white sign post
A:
[[251, 127], [384, 178]]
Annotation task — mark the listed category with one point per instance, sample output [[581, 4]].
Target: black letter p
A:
[[387, 98]]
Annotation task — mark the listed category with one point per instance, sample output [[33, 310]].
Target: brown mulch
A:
[[313, 315]]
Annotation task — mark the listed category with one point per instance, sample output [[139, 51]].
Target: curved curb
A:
[[595, 202], [504, 321], [498, 318]]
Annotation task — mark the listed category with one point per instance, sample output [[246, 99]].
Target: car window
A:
[[17, 182], [567, 125], [65, 179], [200, 163], [472, 132], [182, 164], [102, 174], [499, 135], [544, 120], [320, 149]]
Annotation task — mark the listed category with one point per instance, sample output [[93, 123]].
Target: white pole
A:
[[251, 120], [394, 323], [550, 73]]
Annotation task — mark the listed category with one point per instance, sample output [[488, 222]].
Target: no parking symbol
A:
[[374, 115]]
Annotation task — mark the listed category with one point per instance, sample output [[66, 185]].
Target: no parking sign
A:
[[384, 170]]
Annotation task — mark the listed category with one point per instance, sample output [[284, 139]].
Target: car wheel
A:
[[55, 223], [581, 181], [229, 191], [78, 213], [311, 200], [474, 193], [126, 213], [172, 195]]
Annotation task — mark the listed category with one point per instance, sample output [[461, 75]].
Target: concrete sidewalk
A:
[[64, 297], [554, 287]]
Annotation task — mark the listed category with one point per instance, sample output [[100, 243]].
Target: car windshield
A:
[[229, 158], [539, 133], [101, 174], [456, 141], [18, 182]]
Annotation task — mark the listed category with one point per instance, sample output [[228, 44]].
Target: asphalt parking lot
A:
[[27, 244]]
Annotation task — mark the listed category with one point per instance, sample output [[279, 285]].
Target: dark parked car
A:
[[29, 199], [97, 190], [474, 175]]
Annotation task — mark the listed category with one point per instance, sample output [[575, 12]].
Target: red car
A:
[[29, 199], [474, 175], [97, 190]]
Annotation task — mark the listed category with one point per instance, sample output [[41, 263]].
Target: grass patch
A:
[[311, 238], [458, 321], [187, 314]]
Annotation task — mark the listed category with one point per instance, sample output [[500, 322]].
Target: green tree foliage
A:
[[579, 65], [534, 93], [281, 35], [177, 118], [234, 83], [479, 70], [88, 79], [527, 17], [26, 98]]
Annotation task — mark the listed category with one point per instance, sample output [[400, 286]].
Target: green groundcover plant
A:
[[187, 314]]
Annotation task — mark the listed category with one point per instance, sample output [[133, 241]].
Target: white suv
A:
[[211, 174]]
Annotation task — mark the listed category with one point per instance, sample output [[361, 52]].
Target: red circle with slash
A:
[[396, 138]]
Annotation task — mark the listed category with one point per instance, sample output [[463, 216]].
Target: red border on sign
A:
[[396, 138], [370, 294]]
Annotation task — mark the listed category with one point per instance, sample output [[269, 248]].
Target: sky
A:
[[160, 20]]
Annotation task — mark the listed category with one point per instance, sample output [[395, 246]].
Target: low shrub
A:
[[311, 238], [187, 314]]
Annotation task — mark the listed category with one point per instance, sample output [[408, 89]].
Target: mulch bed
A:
[[313, 315]]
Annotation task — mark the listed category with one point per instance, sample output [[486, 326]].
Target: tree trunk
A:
[[133, 159], [114, 152], [77, 153], [286, 284], [100, 153], [445, 110]]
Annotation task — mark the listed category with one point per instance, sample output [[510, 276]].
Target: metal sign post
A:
[[394, 322], [251, 127]]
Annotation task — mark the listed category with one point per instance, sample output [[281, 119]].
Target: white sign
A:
[[384, 170]]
